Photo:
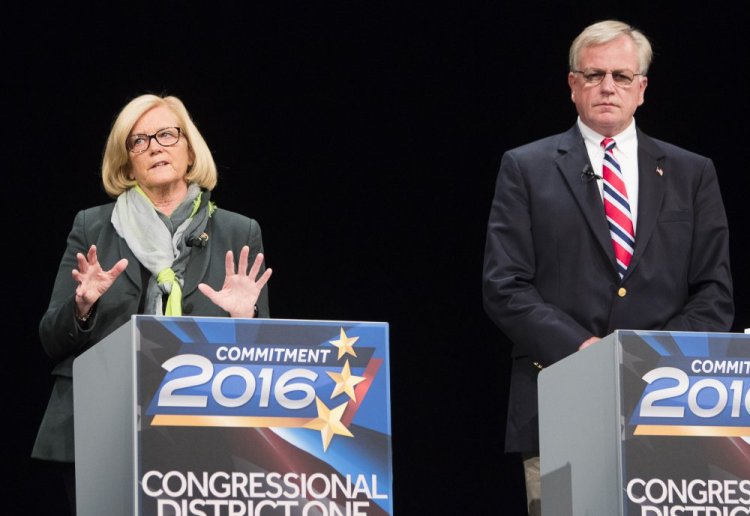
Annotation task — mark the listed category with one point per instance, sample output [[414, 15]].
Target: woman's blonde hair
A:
[[116, 161]]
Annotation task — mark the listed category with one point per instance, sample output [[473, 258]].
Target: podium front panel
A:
[[236, 417], [648, 423], [686, 412]]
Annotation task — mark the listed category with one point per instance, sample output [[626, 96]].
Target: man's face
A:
[[608, 107]]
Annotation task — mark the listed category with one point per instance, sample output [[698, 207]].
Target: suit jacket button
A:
[[187, 308], [622, 292]]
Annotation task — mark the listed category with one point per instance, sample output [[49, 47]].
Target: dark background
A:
[[364, 136]]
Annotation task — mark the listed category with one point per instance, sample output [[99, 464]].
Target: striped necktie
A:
[[617, 208]]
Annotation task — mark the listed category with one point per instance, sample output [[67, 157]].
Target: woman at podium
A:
[[162, 247]]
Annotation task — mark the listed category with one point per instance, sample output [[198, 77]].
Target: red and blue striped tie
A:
[[617, 208]]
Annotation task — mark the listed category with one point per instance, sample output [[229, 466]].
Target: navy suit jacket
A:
[[64, 339], [550, 280]]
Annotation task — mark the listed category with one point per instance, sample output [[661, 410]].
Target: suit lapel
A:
[[133, 270], [197, 264], [572, 161], [650, 194]]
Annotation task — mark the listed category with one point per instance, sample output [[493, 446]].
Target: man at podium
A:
[[600, 228], [163, 247]]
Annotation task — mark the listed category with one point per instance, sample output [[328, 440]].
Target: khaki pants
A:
[[533, 483]]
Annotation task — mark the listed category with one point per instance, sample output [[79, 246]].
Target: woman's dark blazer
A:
[[64, 339]]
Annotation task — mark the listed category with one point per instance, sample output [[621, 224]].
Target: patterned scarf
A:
[[159, 242]]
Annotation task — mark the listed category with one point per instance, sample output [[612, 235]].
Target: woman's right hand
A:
[[93, 281]]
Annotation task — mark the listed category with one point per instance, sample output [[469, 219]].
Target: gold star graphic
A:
[[329, 422], [345, 344], [345, 381]]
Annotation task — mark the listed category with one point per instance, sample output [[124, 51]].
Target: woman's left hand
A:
[[241, 289]]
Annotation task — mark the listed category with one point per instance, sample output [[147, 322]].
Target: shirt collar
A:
[[624, 139]]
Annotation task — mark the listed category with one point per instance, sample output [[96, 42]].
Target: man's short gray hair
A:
[[606, 31]]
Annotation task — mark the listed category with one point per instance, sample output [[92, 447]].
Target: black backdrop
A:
[[365, 137]]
